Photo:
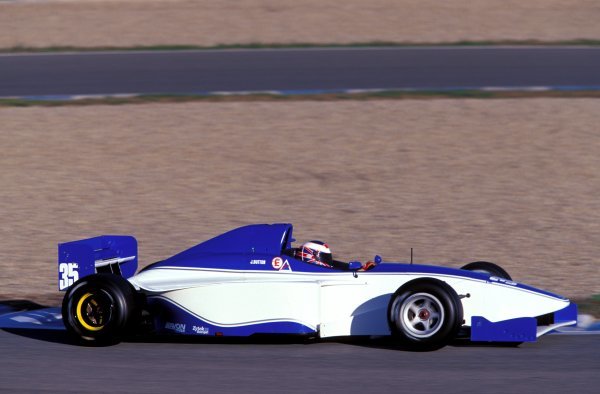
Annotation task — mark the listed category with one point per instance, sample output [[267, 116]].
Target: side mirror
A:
[[377, 259], [354, 265]]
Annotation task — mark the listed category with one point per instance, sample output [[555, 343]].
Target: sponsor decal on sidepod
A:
[[177, 327], [200, 330]]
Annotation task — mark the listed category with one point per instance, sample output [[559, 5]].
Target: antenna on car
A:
[[411, 254]]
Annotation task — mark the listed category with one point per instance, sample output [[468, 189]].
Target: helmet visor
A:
[[326, 258]]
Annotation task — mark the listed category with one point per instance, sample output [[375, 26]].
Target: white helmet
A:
[[315, 252]]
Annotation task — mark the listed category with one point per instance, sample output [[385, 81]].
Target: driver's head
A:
[[315, 252]]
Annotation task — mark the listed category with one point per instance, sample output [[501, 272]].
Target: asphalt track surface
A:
[[298, 70], [43, 361]]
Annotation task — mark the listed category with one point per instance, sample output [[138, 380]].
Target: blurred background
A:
[[514, 181]]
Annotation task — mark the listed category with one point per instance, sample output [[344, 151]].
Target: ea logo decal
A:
[[277, 263], [281, 265]]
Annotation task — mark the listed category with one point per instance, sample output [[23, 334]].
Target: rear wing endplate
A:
[[115, 254]]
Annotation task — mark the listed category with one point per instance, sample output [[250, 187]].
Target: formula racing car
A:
[[252, 280]]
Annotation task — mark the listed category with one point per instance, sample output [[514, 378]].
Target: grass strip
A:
[[375, 44], [387, 95]]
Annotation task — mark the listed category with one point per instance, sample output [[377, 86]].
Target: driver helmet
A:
[[315, 252]]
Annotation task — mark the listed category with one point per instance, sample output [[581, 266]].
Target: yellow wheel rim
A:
[[79, 313]]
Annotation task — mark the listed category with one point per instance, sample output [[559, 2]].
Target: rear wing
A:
[[115, 254]]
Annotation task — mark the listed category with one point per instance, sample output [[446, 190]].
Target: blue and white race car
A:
[[251, 280]]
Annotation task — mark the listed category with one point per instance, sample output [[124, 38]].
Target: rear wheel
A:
[[487, 268], [100, 309], [425, 314]]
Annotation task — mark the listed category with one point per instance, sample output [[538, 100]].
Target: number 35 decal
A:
[[68, 274]]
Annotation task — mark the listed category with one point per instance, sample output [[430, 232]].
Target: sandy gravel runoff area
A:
[[510, 181], [123, 23]]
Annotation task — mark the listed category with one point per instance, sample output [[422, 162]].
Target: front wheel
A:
[[100, 309], [425, 314]]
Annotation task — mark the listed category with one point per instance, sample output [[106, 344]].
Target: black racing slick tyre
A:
[[100, 309], [425, 314], [487, 268]]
